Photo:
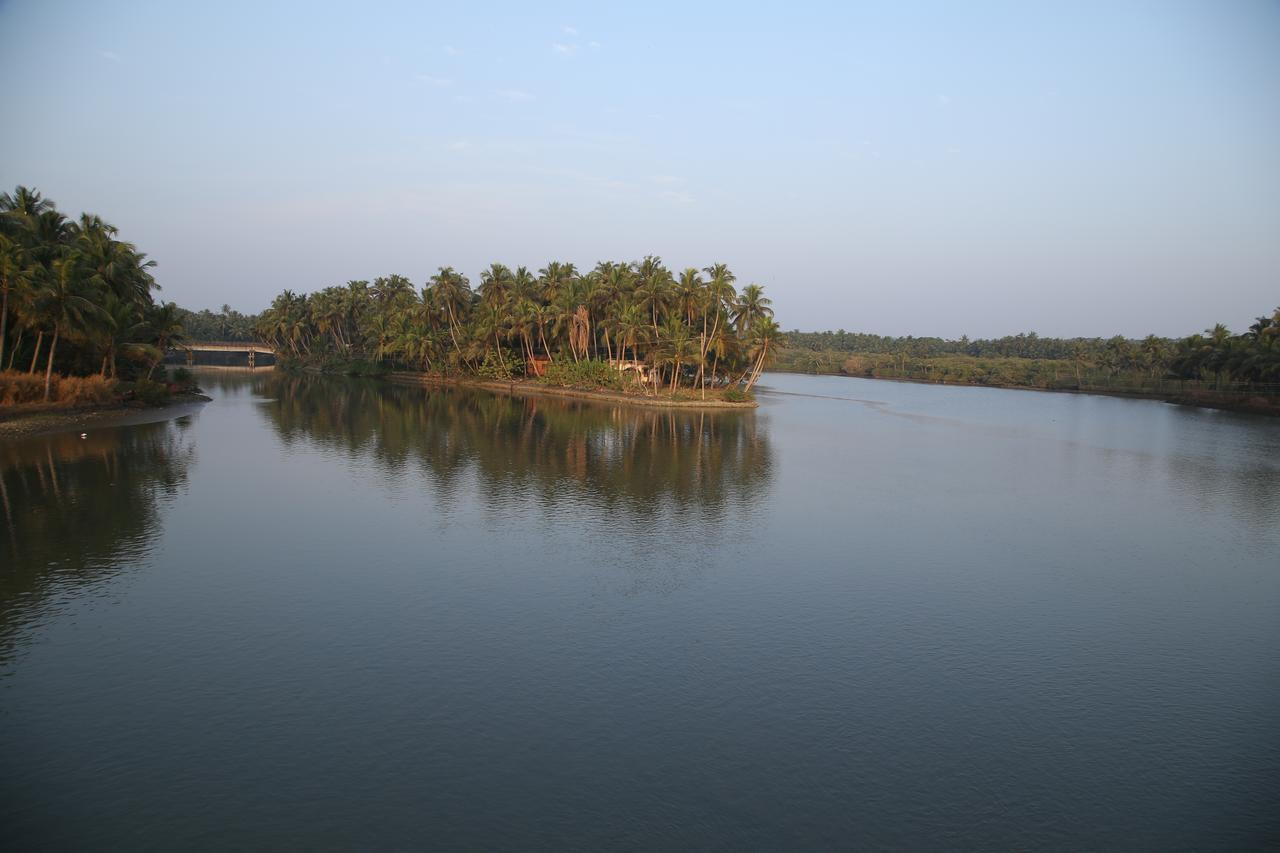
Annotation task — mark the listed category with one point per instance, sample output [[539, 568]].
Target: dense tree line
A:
[[1252, 357], [74, 298], [226, 325], [673, 329]]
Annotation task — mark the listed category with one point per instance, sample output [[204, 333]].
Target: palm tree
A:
[[752, 303], [66, 304], [164, 327], [453, 294], [653, 290], [495, 291], [766, 339], [15, 274]]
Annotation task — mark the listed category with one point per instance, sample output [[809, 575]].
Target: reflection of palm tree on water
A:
[[618, 454], [73, 507]]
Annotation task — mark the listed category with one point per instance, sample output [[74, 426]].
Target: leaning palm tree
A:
[[766, 339], [163, 325], [453, 294]]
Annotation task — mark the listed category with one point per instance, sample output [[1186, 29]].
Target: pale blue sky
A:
[[924, 168]]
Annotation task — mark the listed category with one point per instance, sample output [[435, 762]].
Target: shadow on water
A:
[[77, 511], [626, 460]]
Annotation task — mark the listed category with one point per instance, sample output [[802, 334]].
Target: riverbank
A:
[[26, 421], [1204, 399], [527, 387]]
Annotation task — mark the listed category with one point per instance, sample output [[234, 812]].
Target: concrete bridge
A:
[[250, 348]]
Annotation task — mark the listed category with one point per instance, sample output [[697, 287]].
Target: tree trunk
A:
[[13, 352], [35, 358], [48, 371], [4, 322]]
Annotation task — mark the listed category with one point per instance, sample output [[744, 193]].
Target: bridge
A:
[[250, 348]]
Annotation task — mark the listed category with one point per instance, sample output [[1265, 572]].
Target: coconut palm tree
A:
[[766, 339], [15, 275], [66, 305], [752, 303]]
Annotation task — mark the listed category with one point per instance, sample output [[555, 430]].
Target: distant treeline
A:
[[226, 325], [1217, 358]]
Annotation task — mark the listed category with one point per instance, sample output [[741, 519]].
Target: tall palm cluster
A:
[[1253, 356], [692, 328], [73, 297]]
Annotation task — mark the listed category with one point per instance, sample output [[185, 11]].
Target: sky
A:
[[981, 168]]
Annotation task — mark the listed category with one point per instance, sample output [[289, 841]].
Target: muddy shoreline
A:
[[17, 422]]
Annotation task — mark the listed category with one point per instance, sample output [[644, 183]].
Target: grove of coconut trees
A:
[[75, 299], [636, 323]]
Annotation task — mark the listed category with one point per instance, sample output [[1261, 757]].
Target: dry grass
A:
[[18, 388], [85, 390]]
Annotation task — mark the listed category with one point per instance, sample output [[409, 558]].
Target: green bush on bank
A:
[[495, 368], [587, 374]]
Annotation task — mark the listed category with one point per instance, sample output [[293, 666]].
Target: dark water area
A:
[[327, 614]]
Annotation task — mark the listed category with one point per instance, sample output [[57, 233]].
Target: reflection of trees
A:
[[77, 510], [621, 457]]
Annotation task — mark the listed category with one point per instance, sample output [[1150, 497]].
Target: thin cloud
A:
[[435, 82], [594, 45], [570, 31], [450, 50], [109, 55], [564, 49], [459, 145], [513, 95], [944, 100], [676, 197]]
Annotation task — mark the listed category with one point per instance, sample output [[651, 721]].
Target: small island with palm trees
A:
[[623, 331]]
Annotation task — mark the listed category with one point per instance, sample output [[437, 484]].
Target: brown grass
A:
[[18, 388]]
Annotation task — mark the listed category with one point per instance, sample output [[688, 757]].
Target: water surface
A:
[[329, 614]]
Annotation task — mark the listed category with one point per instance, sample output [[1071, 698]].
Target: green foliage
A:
[[495, 367], [226, 325], [74, 298], [736, 395], [697, 331], [183, 379], [1245, 363], [588, 374], [150, 392]]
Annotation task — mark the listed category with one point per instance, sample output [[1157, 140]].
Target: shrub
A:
[[150, 392], [736, 395], [184, 379], [493, 368], [18, 388], [588, 374], [85, 390]]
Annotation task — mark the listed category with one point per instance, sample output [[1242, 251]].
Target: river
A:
[[336, 614]]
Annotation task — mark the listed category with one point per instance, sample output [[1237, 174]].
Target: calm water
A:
[[336, 615]]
